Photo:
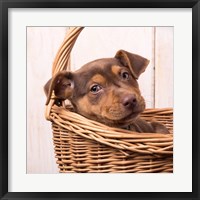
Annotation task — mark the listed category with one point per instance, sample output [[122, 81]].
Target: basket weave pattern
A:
[[83, 145]]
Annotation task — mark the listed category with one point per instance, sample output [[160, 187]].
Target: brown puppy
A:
[[106, 90]]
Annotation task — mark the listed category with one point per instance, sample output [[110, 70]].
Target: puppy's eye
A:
[[95, 88], [125, 75]]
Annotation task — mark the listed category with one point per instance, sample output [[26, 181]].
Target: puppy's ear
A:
[[62, 84], [137, 64], [47, 86]]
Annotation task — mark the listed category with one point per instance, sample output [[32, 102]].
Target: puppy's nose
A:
[[129, 101]]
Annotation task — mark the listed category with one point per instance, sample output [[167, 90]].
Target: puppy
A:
[[106, 90]]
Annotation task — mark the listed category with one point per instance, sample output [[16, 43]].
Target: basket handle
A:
[[62, 60]]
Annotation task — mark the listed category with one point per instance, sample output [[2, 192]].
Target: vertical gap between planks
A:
[[68, 67], [154, 68]]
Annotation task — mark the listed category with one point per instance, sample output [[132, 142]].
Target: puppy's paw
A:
[[159, 128]]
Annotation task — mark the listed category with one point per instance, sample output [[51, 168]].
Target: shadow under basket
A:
[[83, 145]]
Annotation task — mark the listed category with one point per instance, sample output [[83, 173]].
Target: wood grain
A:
[[164, 67]]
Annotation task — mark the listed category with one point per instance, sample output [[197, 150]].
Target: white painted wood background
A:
[[154, 43]]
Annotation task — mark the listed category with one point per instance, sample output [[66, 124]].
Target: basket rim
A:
[[70, 115], [115, 137]]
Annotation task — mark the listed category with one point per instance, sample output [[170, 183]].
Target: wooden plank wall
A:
[[156, 84], [42, 45]]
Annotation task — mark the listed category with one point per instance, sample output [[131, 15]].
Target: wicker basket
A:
[[83, 145]]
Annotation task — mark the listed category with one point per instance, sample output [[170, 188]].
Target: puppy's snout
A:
[[129, 101]]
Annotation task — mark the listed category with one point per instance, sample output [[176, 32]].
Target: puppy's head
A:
[[105, 90]]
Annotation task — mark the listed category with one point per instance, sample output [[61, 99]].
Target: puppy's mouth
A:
[[131, 116], [128, 118], [123, 117]]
